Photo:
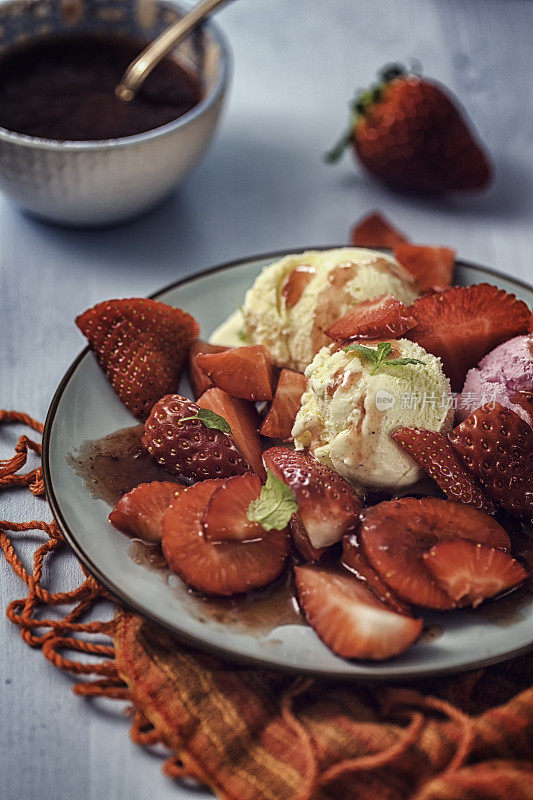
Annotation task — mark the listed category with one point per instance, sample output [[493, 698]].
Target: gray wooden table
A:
[[262, 186]]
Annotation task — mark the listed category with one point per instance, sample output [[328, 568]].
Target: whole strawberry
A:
[[191, 442], [410, 134]]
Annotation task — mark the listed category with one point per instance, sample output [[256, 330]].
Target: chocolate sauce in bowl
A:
[[63, 88]]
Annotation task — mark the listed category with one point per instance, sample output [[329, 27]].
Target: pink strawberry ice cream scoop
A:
[[505, 376]]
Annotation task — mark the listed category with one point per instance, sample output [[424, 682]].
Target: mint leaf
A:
[[210, 420], [380, 355], [275, 505]]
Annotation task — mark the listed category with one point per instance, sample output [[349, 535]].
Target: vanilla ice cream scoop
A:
[[294, 300], [347, 413]]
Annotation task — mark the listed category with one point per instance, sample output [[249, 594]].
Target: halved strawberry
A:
[[470, 573], [300, 541], [328, 505], [245, 372], [396, 533], [462, 324], [227, 568], [431, 266], [285, 405], [141, 345], [349, 618], [497, 446], [199, 381], [241, 416], [381, 318], [354, 559], [375, 230], [225, 518], [140, 511], [435, 454], [185, 446]]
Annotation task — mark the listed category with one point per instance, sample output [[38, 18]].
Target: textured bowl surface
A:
[[95, 183], [85, 408]]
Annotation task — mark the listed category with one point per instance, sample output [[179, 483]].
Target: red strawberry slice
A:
[[245, 372], [381, 318], [375, 230], [241, 416], [141, 345], [396, 533], [435, 454], [462, 324], [285, 405], [497, 446], [140, 511], [328, 505], [349, 618], [225, 518], [300, 541], [189, 449], [354, 559], [470, 573], [431, 266], [224, 569], [199, 381]]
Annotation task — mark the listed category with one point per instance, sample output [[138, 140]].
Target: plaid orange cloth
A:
[[257, 735]]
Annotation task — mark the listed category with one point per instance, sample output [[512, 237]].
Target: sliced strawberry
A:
[[349, 618], [381, 318], [245, 372], [462, 324], [328, 505], [141, 345], [396, 533], [354, 559], [241, 416], [188, 448], [470, 573], [301, 543], [140, 511], [497, 446], [432, 266], [285, 405], [199, 381], [227, 568], [375, 230], [435, 454], [225, 518]]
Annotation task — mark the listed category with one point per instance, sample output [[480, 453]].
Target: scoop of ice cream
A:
[[505, 376], [347, 414], [294, 300]]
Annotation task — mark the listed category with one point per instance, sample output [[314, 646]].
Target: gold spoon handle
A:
[[140, 68]]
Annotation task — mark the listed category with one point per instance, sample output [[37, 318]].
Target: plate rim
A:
[[219, 650]]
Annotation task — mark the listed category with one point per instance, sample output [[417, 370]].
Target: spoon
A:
[[141, 67]]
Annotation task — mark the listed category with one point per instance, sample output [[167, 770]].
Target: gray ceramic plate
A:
[[85, 408]]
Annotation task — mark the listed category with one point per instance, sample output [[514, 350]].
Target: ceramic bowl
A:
[[103, 182]]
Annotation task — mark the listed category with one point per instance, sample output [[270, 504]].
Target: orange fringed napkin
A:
[[255, 735]]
